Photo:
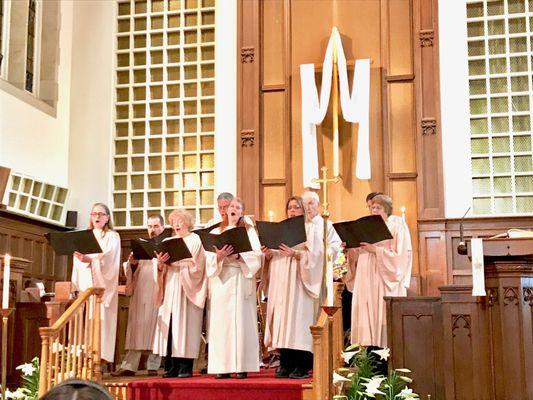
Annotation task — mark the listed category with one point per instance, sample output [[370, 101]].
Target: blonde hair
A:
[[385, 201], [186, 217], [109, 223]]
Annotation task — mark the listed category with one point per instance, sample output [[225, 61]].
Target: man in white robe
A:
[[312, 204], [223, 200], [141, 285]]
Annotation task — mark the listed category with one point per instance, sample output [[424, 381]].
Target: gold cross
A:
[[324, 185]]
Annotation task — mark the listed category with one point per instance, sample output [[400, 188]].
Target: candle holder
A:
[[6, 312], [330, 312]]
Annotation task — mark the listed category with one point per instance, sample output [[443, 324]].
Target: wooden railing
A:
[[71, 346], [319, 388]]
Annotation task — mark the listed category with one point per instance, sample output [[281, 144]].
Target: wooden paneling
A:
[[400, 56], [273, 161], [273, 42], [23, 237], [401, 123]]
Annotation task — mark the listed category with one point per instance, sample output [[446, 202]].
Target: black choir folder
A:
[[290, 231], [143, 249], [66, 243], [236, 237], [369, 229]]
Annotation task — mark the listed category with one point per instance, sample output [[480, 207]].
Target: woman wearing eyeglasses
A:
[[101, 270]]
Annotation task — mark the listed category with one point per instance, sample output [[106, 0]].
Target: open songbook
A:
[[144, 249], [290, 232], [369, 229], [66, 243], [236, 237]]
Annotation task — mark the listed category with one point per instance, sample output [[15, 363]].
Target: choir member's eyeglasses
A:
[[98, 214]]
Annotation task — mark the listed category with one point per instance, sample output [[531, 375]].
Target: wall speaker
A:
[[72, 219]]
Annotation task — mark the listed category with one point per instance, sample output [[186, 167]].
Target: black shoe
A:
[[282, 372], [298, 374], [184, 375], [170, 374], [241, 375], [123, 372], [222, 376]]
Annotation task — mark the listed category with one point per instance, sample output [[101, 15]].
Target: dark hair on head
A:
[[370, 196], [77, 389], [158, 216], [300, 202], [109, 223]]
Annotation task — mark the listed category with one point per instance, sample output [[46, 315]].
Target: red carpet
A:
[[258, 386]]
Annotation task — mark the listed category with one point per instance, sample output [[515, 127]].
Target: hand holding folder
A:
[[66, 243], [369, 229], [145, 249], [290, 232], [236, 237]]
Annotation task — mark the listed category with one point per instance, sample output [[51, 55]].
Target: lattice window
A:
[[500, 52], [30, 47], [165, 109], [29, 196]]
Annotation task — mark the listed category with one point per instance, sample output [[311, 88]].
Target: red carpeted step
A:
[[258, 386]]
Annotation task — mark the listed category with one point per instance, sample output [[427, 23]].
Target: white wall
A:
[[91, 105], [455, 107], [226, 97], [31, 141]]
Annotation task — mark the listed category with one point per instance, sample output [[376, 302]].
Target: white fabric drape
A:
[[355, 108]]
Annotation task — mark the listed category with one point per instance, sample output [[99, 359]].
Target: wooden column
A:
[[248, 104]]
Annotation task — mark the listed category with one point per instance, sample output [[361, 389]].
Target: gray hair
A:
[[225, 196], [385, 201], [308, 196]]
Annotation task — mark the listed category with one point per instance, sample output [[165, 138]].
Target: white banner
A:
[[478, 267]]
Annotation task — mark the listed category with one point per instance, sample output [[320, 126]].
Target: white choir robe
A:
[[142, 317], [373, 276], [317, 256], [233, 336], [293, 292], [102, 272], [183, 285]]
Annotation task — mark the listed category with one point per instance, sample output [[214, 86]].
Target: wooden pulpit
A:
[[464, 347]]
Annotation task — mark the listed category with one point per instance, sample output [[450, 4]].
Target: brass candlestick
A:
[[6, 312]]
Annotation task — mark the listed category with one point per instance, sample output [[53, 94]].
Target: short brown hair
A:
[[385, 201]]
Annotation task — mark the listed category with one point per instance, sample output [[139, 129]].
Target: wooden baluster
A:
[[317, 332], [83, 355], [68, 343], [55, 370], [89, 321], [96, 349], [74, 344], [64, 343], [44, 363]]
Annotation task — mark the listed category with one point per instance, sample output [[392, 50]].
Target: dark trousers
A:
[[346, 309], [176, 365], [380, 366], [290, 359]]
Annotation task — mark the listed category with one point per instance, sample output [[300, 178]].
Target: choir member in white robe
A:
[[141, 285], [375, 271], [312, 205], [102, 271], [183, 291], [223, 200], [233, 336], [294, 285]]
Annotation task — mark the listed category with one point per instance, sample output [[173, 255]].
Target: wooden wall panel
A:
[[23, 237], [274, 135], [400, 53], [275, 197], [273, 42], [402, 140]]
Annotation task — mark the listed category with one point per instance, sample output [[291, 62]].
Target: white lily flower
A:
[[384, 354], [20, 393], [348, 355], [27, 369], [405, 370], [339, 378], [372, 386], [56, 347], [407, 393]]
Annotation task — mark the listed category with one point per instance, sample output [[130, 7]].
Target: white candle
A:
[[403, 214], [5, 292], [271, 216], [329, 284]]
